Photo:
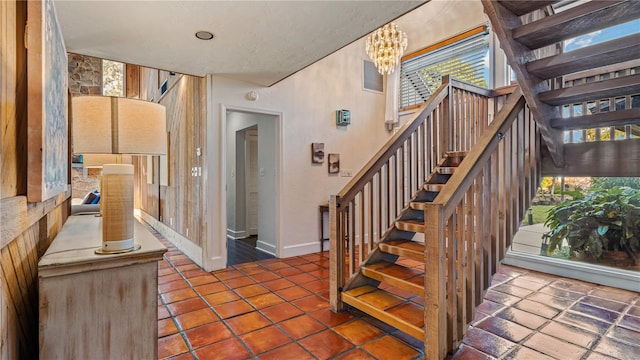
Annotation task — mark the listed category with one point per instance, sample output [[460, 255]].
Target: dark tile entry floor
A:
[[279, 309], [244, 250]]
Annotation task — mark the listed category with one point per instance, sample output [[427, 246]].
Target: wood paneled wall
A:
[[26, 229], [178, 205], [13, 90]]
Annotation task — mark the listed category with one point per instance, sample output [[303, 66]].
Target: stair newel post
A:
[[446, 135], [336, 254], [435, 306]]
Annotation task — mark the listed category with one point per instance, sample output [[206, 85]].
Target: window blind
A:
[[466, 60]]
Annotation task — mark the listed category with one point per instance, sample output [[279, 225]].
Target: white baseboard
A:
[[301, 249], [604, 275], [188, 247], [266, 247], [215, 263], [235, 235]]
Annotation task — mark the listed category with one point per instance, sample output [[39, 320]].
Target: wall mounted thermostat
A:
[[343, 117]]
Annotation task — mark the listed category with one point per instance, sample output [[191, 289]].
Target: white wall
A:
[[306, 103]]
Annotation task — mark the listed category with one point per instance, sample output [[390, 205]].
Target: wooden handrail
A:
[[393, 144], [470, 87], [460, 181]]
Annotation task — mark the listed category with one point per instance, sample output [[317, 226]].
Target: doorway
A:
[[251, 164]]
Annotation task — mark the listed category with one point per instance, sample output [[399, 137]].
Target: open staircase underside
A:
[[555, 81]]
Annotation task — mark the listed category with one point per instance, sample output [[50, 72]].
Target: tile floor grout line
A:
[[293, 266], [192, 351]]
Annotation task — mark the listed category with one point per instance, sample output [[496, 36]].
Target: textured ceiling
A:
[[256, 41]]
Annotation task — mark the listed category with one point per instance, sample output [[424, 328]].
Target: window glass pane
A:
[[466, 60], [112, 78]]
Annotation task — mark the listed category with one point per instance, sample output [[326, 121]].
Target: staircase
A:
[[418, 233], [589, 78], [398, 263]]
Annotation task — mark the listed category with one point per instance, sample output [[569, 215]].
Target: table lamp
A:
[[114, 125]]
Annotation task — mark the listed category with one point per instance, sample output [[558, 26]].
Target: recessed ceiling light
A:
[[204, 35]]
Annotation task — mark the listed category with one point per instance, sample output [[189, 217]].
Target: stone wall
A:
[[82, 183], [85, 75], [85, 78]]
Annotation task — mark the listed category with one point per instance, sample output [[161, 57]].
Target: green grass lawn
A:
[[539, 214]]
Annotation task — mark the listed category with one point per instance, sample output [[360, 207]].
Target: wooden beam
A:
[[602, 158], [622, 49], [593, 91], [520, 7], [133, 81], [503, 22], [605, 119], [435, 305], [625, 65], [582, 19]]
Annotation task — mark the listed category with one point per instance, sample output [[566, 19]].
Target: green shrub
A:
[[610, 182], [604, 219]]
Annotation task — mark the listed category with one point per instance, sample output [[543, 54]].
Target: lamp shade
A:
[[114, 125]]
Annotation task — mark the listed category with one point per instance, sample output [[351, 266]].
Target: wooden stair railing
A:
[[377, 257], [470, 224], [382, 190]]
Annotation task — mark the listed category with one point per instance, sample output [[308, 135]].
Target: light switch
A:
[[261, 171]]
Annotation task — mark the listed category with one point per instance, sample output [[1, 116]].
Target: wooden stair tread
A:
[[456, 153], [619, 86], [412, 225], [591, 57], [407, 248], [447, 170], [410, 311], [433, 187], [419, 205], [603, 119], [582, 19], [387, 308], [404, 278], [520, 7]]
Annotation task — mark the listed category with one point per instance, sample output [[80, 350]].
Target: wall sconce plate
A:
[[343, 117]]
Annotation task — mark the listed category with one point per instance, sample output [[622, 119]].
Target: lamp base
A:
[[101, 251]]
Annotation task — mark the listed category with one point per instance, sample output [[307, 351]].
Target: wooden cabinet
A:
[[98, 306]]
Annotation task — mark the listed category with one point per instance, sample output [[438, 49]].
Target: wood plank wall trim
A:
[[613, 158], [440, 44], [16, 216]]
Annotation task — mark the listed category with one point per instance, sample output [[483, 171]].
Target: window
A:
[[465, 60], [112, 78], [371, 78]]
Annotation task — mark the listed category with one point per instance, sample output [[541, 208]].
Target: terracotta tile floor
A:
[[279, 309]]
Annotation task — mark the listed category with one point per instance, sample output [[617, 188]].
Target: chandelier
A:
[[385, 47]]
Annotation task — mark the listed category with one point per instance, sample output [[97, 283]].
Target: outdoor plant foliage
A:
[[604, 219]]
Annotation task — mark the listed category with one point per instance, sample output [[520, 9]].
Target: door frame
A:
[[247, 134], [216, 244]]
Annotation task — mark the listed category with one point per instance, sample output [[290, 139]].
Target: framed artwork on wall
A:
[[317, 153], [47, 104], [334, 163]]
